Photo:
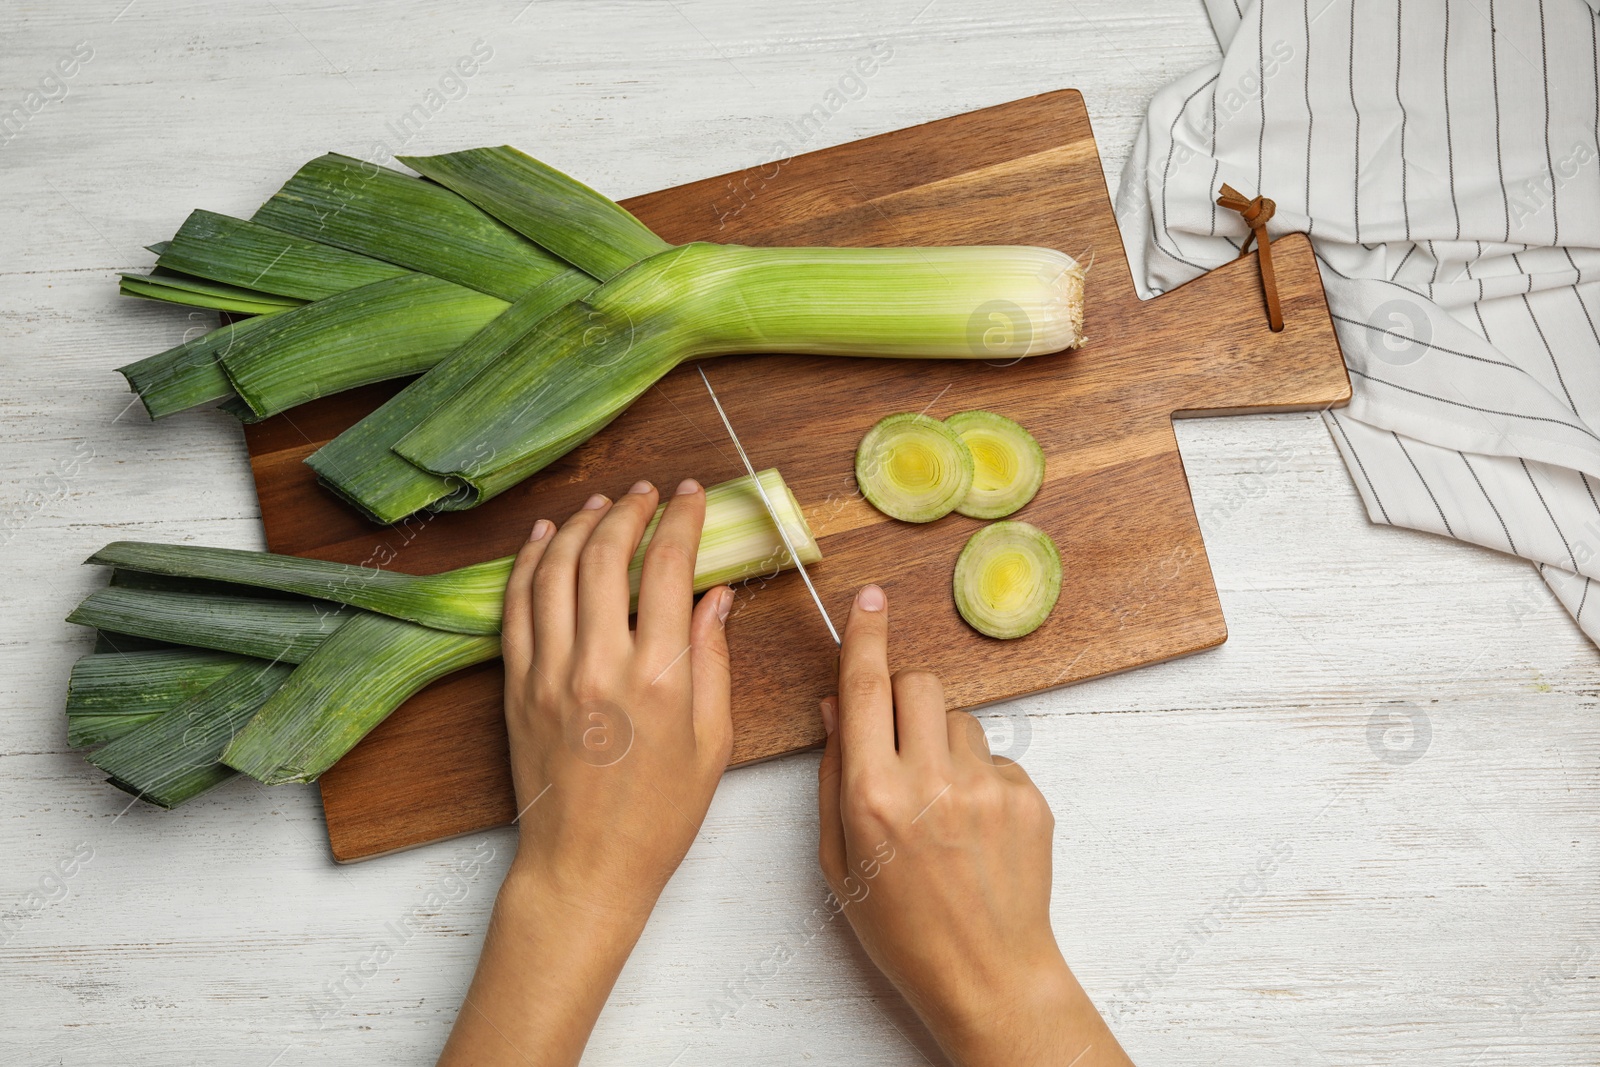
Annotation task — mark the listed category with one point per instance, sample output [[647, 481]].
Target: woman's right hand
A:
[[940, 855]]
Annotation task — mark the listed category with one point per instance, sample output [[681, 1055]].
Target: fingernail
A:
[[641, 486], [871, 598], [596, 501], [687, 486], [541, 530], [724, 604], [830, 715]]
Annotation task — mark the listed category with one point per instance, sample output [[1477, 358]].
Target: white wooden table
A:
[[1433, 892]]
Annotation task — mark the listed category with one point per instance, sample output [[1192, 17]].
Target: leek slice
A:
[[1007, 579], [236, 252], [110, 693], [588, 230], [913, 468], [384, 330], [1008, 464], [403, 220], [360, 464], [465, 600], [587, 362], [348, 686], [174, 757], [269, 629]]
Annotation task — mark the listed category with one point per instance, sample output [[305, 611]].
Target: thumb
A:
[[709, 673]]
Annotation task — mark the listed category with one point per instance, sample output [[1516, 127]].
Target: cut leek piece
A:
[[913, 468], [237, 252], [465, 600], [174, 757], [403, 220], [269, 629], [348, 686], [1007, 464], [110, 693], [588, 230], [384, 330], [360, 464], [1007, 580], [587, 362], [739, 540], [189, 375]]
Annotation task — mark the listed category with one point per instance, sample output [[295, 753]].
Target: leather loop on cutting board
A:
[[1257, 213]]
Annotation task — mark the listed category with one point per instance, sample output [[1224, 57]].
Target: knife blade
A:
[[771, 511]]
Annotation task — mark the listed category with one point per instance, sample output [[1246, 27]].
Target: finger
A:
[[919, 718], [603, 572], [866, 702], [830, 841], [968, 743], [516, 623], [666, 588], [555, 587], [710, 676]]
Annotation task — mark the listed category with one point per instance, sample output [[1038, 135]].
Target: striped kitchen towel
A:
[[1444, 156]]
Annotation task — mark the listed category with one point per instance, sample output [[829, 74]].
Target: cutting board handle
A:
[[1223, 315]]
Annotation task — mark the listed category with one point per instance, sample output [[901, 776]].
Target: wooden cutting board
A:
[[1137, 586]]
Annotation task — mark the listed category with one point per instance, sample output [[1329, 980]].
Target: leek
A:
[[586, 363], [738, 541], [355, 666]]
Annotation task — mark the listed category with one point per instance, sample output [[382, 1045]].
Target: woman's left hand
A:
[[618, 737]]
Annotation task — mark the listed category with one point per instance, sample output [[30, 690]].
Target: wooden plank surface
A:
[[1442, 912], [1137, 587]]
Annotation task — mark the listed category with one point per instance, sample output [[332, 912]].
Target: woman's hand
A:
[[940, 855], [618, 739]]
